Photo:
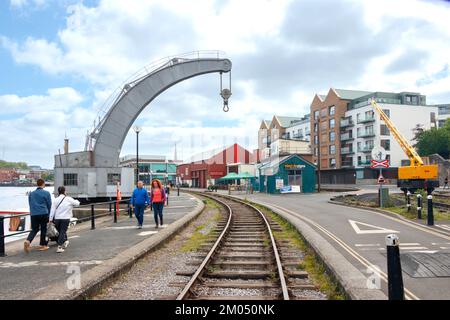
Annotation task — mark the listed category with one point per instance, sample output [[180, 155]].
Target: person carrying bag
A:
[[60, 215]]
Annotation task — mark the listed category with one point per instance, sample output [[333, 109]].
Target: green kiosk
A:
[[288, 174]]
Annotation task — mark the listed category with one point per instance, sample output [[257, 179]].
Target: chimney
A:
[[66, 146]]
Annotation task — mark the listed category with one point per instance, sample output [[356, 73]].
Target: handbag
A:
[[52, 232]]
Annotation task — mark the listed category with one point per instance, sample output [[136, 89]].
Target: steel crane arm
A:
[[415, 159]]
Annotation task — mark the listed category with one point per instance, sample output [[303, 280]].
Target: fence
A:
[[114, 210]]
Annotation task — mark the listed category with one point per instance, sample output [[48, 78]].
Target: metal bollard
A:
[[430, 215], [394, 268], [129, 209], [178, 191], [115, 213], [110, 207], [419, 206], [2, 237], [408, 201], [92, 217]]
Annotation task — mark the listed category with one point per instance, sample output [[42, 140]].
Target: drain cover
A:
[[426, 265]]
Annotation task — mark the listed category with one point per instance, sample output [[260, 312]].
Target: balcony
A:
[[365, 149], [346, 136], [298, 136], [346, 123], [364, 163], [366, 119], [366, 134], [347, 150], [347, 164]]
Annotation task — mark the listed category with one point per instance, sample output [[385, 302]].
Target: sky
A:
[[61, 59]]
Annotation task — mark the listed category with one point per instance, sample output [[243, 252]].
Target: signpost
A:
[[379, 161]]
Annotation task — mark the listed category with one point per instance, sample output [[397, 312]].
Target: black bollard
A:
[[178, 191], [430, 215], [408, 201], [2, 237], [110, 207], [419, 206], [115, 212], [92, 217], [394, 268], [129, 209]]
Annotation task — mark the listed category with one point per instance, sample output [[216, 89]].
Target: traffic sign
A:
[[381, 179], [378, 153], [379, 164]]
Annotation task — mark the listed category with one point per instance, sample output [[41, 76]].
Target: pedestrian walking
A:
[[446, 183], [60, 215], [139, 201], [157, 199], [40, 202]]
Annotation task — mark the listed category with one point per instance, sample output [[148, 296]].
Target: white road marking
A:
[[373, 249], [443, 226], [47, 264], [374, 229], [367, 245], [147, 233], [409, 244], [414, 248], [73, 237], [425, 251], [439, 243], [444, 248]]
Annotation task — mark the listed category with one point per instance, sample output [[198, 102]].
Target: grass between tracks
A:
[[203, 232], [317, 271]]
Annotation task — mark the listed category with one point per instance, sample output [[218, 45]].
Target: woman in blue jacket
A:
[[139, 201]]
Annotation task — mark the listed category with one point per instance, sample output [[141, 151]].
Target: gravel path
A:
[[148, 279]]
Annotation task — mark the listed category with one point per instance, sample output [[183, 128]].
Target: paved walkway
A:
[[359, 235], [24, 276]]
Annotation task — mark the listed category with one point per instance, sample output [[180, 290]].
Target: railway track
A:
[[244, 256]]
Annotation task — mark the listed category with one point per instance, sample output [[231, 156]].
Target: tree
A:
[[434, 141]]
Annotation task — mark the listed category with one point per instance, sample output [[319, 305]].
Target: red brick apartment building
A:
[[205, 171], [8, 175]]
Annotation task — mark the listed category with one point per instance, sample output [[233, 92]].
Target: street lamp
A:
[[167, 171], [137, 129]]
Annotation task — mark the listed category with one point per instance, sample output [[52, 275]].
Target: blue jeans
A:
[[158, 211], [139, 213]]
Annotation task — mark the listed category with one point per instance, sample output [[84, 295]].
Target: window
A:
[[369, 130], [288, 135], [384, 131], [359, 145], [414, 100], [332, 123], [323, 112], [316, 126], [332, 136], [113, 178], [369, 144], [332, 162], [387, 112], [70, 179], [316, 140], [386, 144], [323, 125], [332, 110], [332, 149], [432, 117], [316, 114], [316, 150]]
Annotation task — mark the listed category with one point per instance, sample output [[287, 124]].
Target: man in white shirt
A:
[[60, 214]]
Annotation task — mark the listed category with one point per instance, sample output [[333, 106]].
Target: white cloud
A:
[[24, 3]]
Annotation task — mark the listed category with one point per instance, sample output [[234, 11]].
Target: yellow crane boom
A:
[[414, 175], [409, 150]]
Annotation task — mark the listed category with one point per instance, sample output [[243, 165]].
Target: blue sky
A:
[[59, 60]]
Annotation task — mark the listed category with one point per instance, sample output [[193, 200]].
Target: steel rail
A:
[[282, 277], [183, 294]]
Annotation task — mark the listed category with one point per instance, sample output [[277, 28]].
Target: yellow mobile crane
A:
[[417, 175]]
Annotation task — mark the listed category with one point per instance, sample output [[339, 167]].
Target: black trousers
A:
[[62, 225], [39, 223]]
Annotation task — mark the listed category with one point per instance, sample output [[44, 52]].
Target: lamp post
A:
[[318, 154], [137, 129], [167, 171]]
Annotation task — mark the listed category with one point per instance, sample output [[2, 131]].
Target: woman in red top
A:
[[157, 199]]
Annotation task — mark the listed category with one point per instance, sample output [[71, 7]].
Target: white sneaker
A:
[[60, 249], [65, 244]]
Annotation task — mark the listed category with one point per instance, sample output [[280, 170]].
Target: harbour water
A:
[[16, 199]]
